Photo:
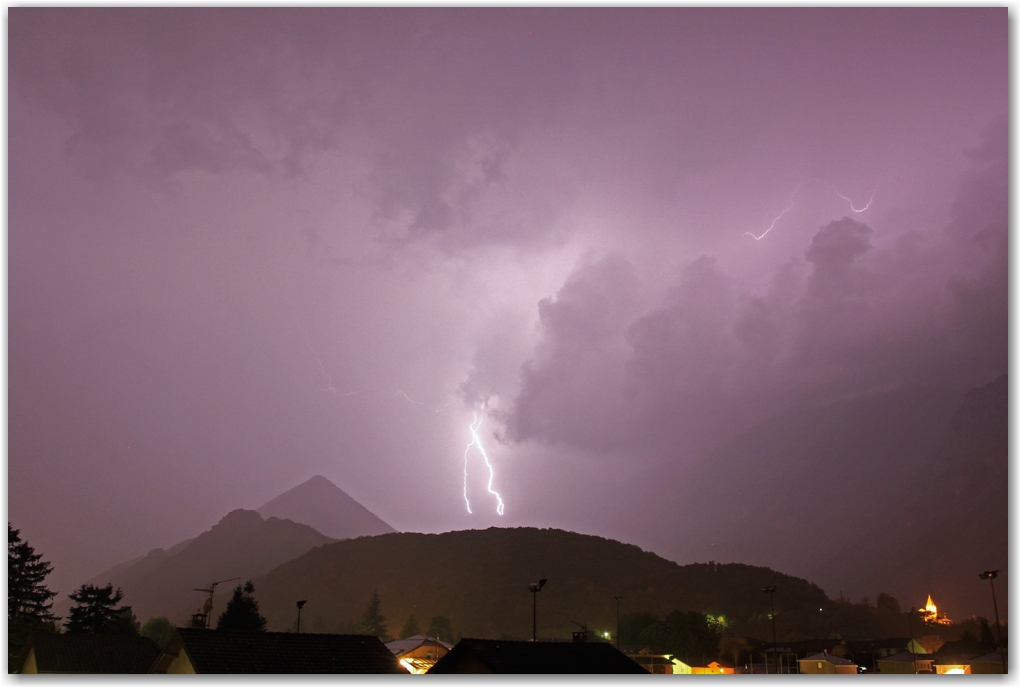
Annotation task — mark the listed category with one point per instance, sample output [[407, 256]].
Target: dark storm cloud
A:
[[567, 392], [850, 318]]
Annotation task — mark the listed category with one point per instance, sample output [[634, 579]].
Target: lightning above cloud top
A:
[[778, 217], [868, 205]]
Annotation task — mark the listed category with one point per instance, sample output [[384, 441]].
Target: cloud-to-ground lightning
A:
[[852, 203], [779, 216], [476, 440]]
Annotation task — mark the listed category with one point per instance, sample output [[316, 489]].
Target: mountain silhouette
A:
[[321, 504], [241, 545], [479, 579]]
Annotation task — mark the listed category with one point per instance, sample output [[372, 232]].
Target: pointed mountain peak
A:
[[319, 503]]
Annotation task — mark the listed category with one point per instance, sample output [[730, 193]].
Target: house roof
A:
[[826, 656], [212, 651], [994, 657], [958, 647], [90, 653], [498, 656], [402, 646], [907, 657]]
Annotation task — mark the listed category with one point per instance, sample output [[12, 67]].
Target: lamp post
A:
[[618, 600], [990, 575], [300, 605], [772, 602], [910, 625], [535, 588]]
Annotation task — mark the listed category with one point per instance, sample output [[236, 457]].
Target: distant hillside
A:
[[321, 504], [955, 519], [479, 580], [871, 494], [241, 545]]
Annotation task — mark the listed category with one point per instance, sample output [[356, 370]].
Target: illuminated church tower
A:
[[931, 614]]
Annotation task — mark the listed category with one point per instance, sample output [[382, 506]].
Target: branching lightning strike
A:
[[476, 440], [870, 200]]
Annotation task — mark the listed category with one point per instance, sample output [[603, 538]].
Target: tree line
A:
[[98, 609]]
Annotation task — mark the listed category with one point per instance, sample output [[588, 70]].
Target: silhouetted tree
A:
[[410, 627], [372, 621], [987, 640], [888, 603], [242, 612], [686, 634], [159, 629], [632, 625], [442, 628], [95, 611], [28, 599]]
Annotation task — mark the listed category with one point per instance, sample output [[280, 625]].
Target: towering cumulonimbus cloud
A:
[[859, 312]]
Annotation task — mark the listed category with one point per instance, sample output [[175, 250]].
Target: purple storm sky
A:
[[246, 247]]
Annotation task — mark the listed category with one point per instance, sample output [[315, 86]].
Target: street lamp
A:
[[990, 575], [618, 600], [535, 588], [772, 601], [910, 625], [300, 605]]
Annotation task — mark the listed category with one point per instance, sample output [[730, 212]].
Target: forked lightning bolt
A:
[[476, 440], [852, 203]]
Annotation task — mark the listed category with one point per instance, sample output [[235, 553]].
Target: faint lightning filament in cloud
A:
[[476, 440], [852, 203], [778, 217], [420, 403], [322, 368]]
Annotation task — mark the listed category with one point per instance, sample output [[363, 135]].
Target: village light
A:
[[772, 601]]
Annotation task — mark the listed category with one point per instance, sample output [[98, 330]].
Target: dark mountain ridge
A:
[[242, 544], [479, 580]]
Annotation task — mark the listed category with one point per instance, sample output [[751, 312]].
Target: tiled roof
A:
[[834, 660], [498, 656], [91, 653], [402, 646], [212, 651]]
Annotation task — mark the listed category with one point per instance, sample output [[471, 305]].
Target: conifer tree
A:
[[372, 621], [27, 596], [442, 628], [95, 611], [410, 628], [28, 600], [242, 612]]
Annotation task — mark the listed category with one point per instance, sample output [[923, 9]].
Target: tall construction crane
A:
[[203, 617]]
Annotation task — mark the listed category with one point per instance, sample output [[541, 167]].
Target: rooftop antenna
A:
[[581, 636], [202, 618]]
